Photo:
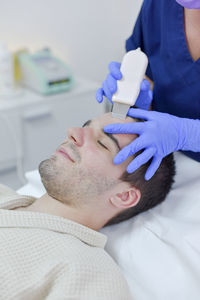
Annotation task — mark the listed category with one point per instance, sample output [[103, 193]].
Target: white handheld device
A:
[[133, 70]]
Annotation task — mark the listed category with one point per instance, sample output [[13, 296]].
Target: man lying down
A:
[[51, 247]]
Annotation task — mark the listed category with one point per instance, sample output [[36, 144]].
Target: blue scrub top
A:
[[159, 32]]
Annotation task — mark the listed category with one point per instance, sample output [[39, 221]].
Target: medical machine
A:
[[133, 70], [44, 73]]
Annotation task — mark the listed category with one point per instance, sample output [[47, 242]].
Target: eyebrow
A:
[[110, 135], [87, 123]]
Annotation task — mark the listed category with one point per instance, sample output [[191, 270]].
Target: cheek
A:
[[122, 167], [100, 161]]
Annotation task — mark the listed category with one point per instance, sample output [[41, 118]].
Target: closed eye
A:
[[100, 143]]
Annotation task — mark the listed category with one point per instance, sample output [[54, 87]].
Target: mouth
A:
[[65, 154]]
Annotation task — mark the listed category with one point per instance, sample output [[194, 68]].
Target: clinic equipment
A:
[[44, 73], [133, 69], [17, 147], [109, 87]]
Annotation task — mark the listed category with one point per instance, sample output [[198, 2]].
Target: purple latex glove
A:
[[158, 136], [191, 4], [109, 87]]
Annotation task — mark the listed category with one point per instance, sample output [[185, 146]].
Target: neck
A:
[[86, 216], [192, 31], [193, 14]]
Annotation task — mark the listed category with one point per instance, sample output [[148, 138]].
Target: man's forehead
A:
[[107, 118]]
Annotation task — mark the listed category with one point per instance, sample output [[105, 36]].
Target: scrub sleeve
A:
[[159, 32]]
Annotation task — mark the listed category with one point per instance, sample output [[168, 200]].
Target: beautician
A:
[[168, 31]]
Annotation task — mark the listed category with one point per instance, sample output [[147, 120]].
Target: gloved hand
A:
[[109, 87], [158, 136]]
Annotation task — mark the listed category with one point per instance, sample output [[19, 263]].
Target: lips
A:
[[65, 154]]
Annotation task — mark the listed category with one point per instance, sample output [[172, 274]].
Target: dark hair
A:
[[153, 191]]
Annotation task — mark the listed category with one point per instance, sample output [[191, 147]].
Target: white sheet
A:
[[159, 250]]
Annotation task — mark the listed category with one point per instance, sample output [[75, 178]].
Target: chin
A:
[[47, 173], [52, 180]]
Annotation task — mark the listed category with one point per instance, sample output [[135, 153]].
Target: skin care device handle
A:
[[133, 68]]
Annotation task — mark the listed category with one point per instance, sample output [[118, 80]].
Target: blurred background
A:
[[35, 114], [87, 34]]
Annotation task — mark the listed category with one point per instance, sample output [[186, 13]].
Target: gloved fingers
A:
[[106, 91], [145, 85], [132, 128], [139, 113], [140, 160], [145, 96], [153, 167], [150, 94], [138, 144], [99, 95], [144, 99], [111, 83], [135, 146], [114, 68], [122, 155]]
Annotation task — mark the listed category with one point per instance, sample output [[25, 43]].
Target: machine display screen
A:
[[58, 81]]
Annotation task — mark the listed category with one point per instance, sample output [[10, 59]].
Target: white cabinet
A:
[[10, 139], [33, 126]]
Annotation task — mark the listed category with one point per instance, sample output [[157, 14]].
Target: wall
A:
[[87, 34]]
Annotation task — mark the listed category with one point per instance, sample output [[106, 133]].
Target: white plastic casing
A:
[[133, 68]]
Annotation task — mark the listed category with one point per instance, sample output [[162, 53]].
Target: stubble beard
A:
[[74, 187]]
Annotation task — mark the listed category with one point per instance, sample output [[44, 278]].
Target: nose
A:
[[76, 135], [80, 136]]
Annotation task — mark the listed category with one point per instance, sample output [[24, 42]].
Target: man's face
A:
[[82, 167]]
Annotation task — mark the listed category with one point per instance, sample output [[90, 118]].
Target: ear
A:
[[126, 199]]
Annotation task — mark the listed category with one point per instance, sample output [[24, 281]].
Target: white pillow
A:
[[158, 251], [34, 186]]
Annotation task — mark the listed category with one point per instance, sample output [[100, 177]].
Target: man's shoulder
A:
[[85, 258], [99, 275], [6, 194], [9, 198], [99, 266], [5, 190]]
